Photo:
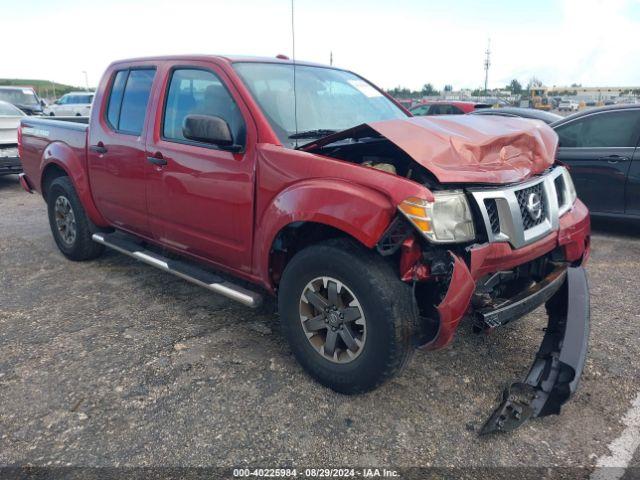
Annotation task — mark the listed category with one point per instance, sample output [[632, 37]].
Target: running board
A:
[[188, 272]]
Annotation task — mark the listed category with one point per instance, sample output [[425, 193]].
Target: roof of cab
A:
[[224, 58]]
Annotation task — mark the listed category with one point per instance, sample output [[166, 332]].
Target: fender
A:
[[359, 211], [69, 160]]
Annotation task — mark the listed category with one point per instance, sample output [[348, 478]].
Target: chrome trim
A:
[[227, 289], [509, 214]]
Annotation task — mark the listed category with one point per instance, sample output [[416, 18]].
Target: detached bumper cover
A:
[[556, 370]]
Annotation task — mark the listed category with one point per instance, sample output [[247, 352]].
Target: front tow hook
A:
[[555, 373]]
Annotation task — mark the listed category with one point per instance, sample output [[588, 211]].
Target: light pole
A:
[[86, 79]]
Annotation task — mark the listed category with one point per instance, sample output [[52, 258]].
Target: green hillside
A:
[[44, 88]]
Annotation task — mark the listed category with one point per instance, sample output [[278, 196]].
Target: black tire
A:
[[82, 247], [386, 301], [52, 114]]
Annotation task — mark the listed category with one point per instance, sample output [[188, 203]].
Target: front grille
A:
[[505, 211], [529, 219], [492, 212]]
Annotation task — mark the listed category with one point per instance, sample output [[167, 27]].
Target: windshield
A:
[[18, 96], [328, 100]]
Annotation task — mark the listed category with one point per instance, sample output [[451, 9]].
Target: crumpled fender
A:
[[72, 161], [454, 305], [359, 211]]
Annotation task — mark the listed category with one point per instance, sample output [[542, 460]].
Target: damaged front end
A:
[[557, 367], [497, 233], [494, 284]]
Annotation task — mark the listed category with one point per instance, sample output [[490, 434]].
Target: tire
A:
[[386, 304], [61, 193]]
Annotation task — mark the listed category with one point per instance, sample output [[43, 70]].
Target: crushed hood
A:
[[465, 148]]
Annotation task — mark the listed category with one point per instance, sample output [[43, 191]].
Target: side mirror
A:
[[57, 102], [209, 129], [43, 103]]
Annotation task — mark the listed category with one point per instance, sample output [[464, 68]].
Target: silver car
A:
[[9, 120]]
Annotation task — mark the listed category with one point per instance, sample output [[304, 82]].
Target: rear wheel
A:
[[71, 228], [347, 316]]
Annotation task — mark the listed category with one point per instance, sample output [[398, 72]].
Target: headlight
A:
[[570, 188], [445, 220]]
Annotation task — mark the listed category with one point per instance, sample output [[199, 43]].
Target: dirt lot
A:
[[112, 363]]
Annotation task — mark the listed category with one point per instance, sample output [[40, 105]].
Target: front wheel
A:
[[346, 315], [71, 228]]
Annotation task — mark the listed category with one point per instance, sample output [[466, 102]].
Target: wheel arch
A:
[[59, 160], [312, 211]]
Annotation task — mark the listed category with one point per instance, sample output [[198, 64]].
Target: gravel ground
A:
[[112, 363]]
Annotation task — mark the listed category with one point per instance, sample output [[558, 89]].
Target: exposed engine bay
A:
[[369, 149]]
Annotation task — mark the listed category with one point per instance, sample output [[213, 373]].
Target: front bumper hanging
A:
[[556, 370]]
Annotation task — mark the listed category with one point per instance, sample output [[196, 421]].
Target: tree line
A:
[[428, 90]]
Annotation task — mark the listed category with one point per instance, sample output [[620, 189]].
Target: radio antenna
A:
[[293, 56]]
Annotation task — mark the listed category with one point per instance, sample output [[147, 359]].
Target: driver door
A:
[[200, 196]]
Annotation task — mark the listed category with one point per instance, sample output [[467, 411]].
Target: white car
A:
[[568, 106], [73, 104], [9, 120]]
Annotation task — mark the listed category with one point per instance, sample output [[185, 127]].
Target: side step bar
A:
[[181, 269]]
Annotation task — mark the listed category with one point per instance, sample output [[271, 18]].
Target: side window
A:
[[199, 92], [115, 98], [64, 100], [134, 101], [604, 130]]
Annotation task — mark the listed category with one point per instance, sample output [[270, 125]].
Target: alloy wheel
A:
[[333, 320]]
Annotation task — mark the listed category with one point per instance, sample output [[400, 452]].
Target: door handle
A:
[[614, 158], [99, 148], [157, 159]]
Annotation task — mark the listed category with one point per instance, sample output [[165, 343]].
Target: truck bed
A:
[[67, 135]]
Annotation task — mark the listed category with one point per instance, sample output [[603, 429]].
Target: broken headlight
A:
[[445, 220]]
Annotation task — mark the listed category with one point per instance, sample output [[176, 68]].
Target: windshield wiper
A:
[[313, 133]]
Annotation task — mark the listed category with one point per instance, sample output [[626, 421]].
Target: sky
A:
[[391, 43]]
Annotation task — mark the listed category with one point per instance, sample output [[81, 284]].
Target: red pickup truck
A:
[[376, 231]]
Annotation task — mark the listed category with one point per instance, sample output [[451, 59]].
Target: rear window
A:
[[128, 100]]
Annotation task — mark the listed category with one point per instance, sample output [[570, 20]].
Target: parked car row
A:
[[25, 98], [10, 117], [73, 104], [599, 145]]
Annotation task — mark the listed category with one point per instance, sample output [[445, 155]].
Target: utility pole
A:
[[331, 58], [86, 79], [487, 64]]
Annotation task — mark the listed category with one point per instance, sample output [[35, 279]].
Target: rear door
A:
[[201, 196], [116, 154], [598, 149], [632, 200]]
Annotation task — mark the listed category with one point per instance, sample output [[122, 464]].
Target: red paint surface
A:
[[226, 208], [411, 268]]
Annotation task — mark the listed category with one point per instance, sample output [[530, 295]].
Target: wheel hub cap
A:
[[332, 319], [65, 220]]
